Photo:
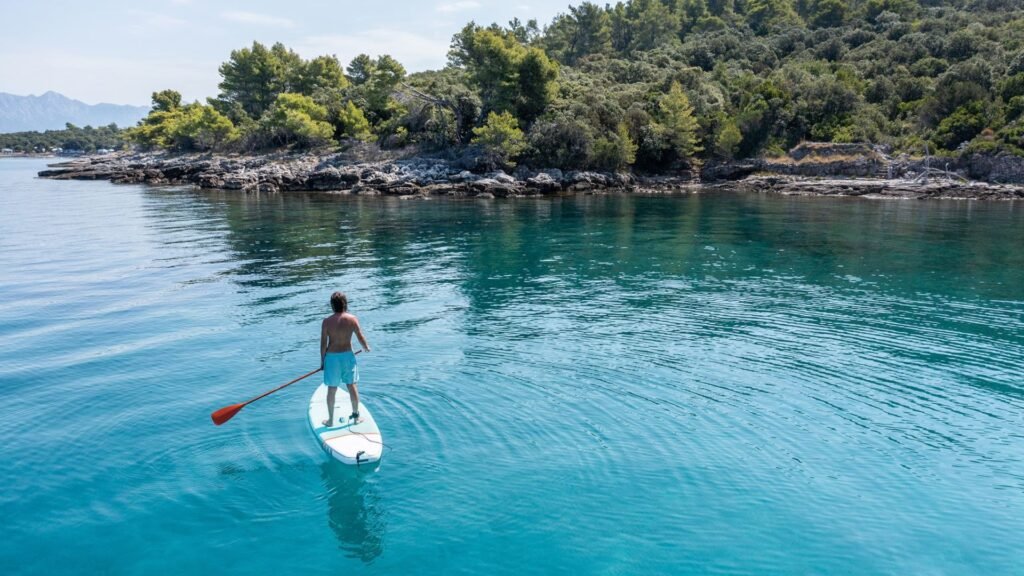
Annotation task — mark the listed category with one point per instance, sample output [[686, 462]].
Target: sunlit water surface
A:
[[589, 384]]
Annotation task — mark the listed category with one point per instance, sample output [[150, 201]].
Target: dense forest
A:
[[651, 84], [72, 138]]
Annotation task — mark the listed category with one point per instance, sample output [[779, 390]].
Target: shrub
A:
[[351, 122], [728, 140], [561, 141], [962, 125], [500, 138], [201, 127], [614, 151]]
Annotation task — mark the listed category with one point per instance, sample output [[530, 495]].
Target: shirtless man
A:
[[336, 357]]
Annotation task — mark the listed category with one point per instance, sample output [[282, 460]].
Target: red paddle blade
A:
[[226, 413]]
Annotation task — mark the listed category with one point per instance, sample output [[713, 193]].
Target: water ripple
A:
[[584, 384]]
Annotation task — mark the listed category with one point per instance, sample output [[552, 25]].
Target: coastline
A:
[[422, 176], [42, 155]]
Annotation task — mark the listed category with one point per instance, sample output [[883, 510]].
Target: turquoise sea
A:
[[607, 384]]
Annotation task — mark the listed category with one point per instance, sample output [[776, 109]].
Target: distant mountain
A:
[[52, 110]]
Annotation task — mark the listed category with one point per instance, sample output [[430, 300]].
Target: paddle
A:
[[228, 412]]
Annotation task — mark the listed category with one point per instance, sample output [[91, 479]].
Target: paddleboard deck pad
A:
[[355, 444]]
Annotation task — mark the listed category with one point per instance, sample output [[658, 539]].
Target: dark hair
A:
[[339, 302]]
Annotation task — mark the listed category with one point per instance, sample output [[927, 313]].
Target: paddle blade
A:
[[226, 413]]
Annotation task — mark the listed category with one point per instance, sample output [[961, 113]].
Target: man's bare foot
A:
[[326, 423], [355, 418]]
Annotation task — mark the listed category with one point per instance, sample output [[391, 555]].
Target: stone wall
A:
[[1002, 168]]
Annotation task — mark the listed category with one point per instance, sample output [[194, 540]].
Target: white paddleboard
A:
[[349, 443]]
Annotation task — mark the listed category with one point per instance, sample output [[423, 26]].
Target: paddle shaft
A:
[[269, 392], [283, 386], [228, 412]]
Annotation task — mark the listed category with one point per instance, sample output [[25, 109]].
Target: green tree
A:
[[360, 69], [500, 138], [680, 124], [375, 81], [621, 27], [321, 73], [509, 75], [766, 15], [387, 73], [960, 85], [190, 127], [491, 58], [873, 8], [1015, 108], [166, 100], [351, 122], [827, 13], [156, 130], [297, 119], [253, 77], [964, 123], [1012, 87], [536, 84], [585, 30], [525, 33], [291, 65], [728, 140], [233, 111], [691, 12], [652, 24], [201, 127]]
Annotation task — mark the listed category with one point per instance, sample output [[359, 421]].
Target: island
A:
[[890, 97]]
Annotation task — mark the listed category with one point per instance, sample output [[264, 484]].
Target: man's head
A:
[[339, 302]]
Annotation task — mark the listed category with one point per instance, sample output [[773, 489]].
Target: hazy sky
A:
[[120, 51]]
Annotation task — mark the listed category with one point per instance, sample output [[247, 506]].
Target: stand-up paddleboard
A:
[[350, 443]]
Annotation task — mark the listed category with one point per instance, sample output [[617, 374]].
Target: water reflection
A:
[[495, 251], [354, 511]]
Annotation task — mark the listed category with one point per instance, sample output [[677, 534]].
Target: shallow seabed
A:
[[733, 384]]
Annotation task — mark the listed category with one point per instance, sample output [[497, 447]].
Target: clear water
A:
[[595, 384]]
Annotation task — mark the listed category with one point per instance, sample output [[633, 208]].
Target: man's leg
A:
[[330, 406], [353, 393]]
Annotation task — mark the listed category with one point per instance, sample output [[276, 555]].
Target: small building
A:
[[7, 151]]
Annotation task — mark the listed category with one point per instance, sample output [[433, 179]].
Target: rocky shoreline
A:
[[425, 177], [935, 188]]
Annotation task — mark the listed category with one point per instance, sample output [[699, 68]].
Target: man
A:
[[336, 357]]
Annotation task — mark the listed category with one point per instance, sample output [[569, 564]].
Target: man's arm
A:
[[323, 342], [359, 335]]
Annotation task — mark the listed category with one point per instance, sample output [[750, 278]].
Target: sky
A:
[[121, 51]]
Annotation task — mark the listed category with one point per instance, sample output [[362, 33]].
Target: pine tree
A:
[[679, 121]]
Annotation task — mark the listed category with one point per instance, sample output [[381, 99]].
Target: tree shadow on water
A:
[[354, 513]]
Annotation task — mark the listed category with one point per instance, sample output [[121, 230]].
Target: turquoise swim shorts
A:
[[340, 368]]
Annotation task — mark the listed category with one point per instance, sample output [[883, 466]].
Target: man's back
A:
[[339, 329]]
